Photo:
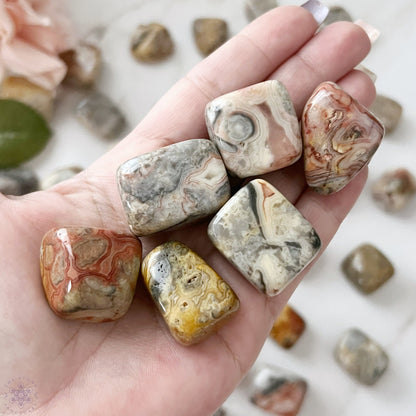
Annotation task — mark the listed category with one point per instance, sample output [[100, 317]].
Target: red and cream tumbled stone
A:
[[340, 136], [89, 274]]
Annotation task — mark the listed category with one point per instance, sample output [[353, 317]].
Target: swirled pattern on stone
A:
[[255, 129], [340, 137], [264, 236], [173, 185], [89, 274], [192, 297]]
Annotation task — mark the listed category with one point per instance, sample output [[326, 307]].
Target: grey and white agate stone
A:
[[264, 236], [255, 129], [361, 357], [18, 181], [172, 186]]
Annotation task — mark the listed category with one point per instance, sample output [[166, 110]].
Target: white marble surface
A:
[[325, 299]]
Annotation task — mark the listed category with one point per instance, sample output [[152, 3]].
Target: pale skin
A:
[[133, 366]]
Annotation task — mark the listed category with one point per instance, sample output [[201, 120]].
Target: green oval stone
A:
[[23, 133]]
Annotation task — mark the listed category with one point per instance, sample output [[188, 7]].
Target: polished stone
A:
[[59, 175], [18, 181], [264, 236], [287, 328], [388, 111], [83, 63], [255, 129], [336, 14], [101, 116], [278, 392], [367, 268], [151, 43], [89, 274], [209, 34], [340, 137], [172, 186], [255, 8], [36, 97], [361, 357], [394, 189], [193, 299]]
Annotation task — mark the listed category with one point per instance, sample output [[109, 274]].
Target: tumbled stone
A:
[[361, 357], [287, 328], [18, 181], [83, 63], [367, 268], [172, 186], [220, 412], [278, 392], [264, 236], [394, 189], [255, 129], [89, 274], [255, 8], [336, 14], [151, 43], [36, 97], [193, 299], [340, 136], [210, 34], [100, 115], [388, 111], [59, 175]]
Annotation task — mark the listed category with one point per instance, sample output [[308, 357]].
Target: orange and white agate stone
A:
[[89, 274], [340, 136]]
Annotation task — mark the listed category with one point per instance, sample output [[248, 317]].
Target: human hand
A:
[[133, 366]]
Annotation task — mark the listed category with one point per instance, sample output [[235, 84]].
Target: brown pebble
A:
[[287, 328], [151, 43], [210, 33]]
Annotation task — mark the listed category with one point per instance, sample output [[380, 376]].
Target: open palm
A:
[[133, 366]]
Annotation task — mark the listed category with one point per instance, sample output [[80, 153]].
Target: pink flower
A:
[[32, 34]]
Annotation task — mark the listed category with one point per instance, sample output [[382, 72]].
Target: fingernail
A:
[[371, 31], [367, 71], [318, 10]]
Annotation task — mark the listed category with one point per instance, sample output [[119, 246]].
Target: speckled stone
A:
[[287, 328], [388, 111], [100, 115], [191, 296], [59, 175], [367, 268], [18, 181], [20, 89], [278, 392], [89, 274], [255, 8], [394, 190], [83, 63], [340, 137], [264, 236], [255, 129], [172, 186], [336, 14], [209, 34], [361, 357], [151, 43]]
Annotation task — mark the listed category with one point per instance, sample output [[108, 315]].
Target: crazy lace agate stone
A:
[[361, 357], [287, 328], [193, 299], [255, 8], [264, 236], [89, 274], [394, 190], [255, 129], [340, 137], [210, 34], [277, 391], [367, 268], [172, 186]]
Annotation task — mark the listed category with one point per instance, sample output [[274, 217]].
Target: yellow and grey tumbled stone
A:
[[191, 296], [210, 34], [264, 236]]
